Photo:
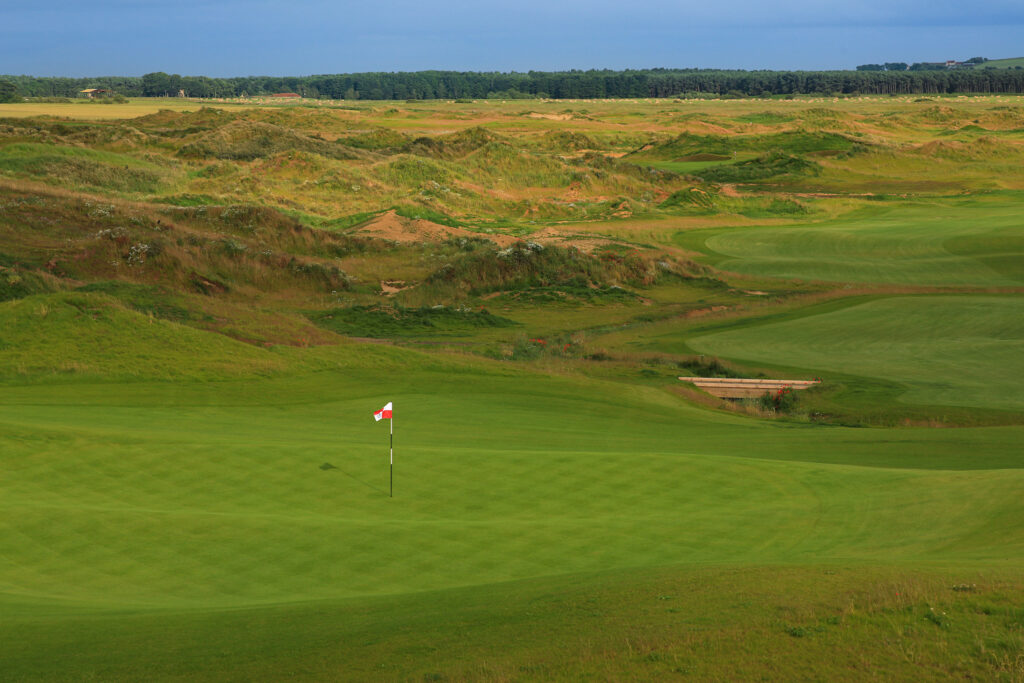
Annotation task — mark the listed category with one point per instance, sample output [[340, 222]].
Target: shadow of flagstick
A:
[[329, 466]]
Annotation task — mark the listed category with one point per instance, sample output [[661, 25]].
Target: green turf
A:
[[149, 495], [139, 498], [705, 623], [967, 244], [688, 167], [946, 350], [75, 335]]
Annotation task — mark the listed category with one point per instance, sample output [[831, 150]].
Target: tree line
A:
[[540, 84], [922, 66]]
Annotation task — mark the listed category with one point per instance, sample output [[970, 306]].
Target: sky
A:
[[303, 37]]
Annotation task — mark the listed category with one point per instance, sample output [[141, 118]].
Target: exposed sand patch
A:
[[550, 117], [701, 312], [390, 226], [391, 287], [585, 242], [706, 128], [491, 191]]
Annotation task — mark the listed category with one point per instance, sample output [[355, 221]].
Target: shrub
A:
[[782, 401], [711, 367]]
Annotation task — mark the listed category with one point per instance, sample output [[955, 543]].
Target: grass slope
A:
[[968, 244], [142, 498], [83, 335], [946, 350], [80, 167], [707, 623]]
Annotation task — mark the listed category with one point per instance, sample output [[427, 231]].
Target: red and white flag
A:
[[384, 413]]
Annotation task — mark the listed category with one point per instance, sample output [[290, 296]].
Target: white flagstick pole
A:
[[391, 491]]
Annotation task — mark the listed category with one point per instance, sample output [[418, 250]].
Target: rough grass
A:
[[245, 141], [789, 142], [79, 167]]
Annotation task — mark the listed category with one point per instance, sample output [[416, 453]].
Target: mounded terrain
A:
[[201, 307]]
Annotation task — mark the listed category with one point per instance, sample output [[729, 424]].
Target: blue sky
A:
[[301, 37]]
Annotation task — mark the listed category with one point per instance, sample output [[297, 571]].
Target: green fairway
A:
[[967, 244], [946, 350]]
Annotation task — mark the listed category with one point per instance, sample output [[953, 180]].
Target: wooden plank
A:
[[740, 387]]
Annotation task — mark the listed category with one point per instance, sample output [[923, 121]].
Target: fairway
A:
[[968, 244], [957, 351]]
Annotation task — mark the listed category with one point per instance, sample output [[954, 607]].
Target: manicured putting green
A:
[[966, 244], [189, 494], [947, 350]]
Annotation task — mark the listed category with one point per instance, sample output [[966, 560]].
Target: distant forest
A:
[[539, 84]]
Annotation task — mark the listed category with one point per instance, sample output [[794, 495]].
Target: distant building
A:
[[95, 92], [286, 94]]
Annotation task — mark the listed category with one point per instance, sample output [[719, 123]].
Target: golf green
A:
[[258, 491]]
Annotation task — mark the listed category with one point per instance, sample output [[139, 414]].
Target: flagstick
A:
[[391, 490]]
